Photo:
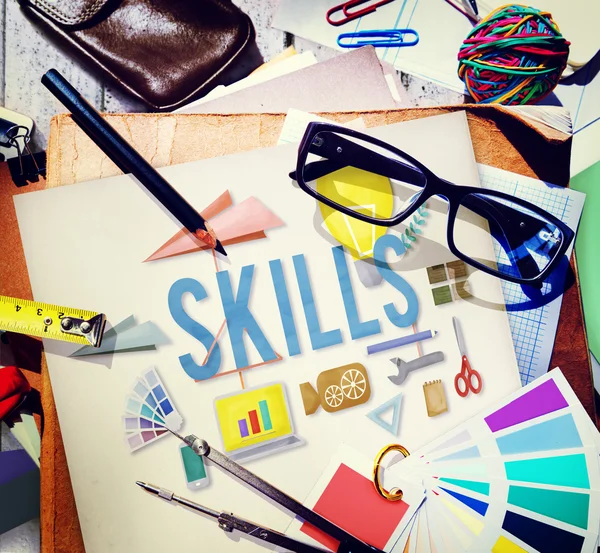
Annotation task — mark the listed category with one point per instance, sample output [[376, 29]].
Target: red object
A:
[[349, 15], [351, 502], [13, 389], [254, 422], [467, 380]]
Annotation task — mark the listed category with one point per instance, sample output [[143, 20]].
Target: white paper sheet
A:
[[114, 513], [296, 121], [26, 433], [284, 67]]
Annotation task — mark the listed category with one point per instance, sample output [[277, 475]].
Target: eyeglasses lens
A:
[[362, 177], [525, 243]]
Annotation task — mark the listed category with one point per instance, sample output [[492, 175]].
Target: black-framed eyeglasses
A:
[[352, 172]]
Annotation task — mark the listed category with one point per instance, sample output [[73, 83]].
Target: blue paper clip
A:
[[388, 38]]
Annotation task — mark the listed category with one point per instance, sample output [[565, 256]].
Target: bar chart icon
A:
[[255, 423]]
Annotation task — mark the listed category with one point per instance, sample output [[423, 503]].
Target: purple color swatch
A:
[[541, 400], [14, 464]]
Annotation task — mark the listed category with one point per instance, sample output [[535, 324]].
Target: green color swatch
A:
[[569, 507], [568, 470], [194, 465], [441, 295], [479, 487], [587, 252]]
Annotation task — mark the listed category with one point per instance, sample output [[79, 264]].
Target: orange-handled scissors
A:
[[467, 380]]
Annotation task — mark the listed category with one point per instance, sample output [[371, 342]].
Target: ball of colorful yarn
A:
[[514, 56]]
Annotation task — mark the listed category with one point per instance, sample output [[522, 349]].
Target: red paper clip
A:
[[349, 15]]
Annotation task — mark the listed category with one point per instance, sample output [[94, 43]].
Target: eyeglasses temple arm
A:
[[338, 151], [507, 231]]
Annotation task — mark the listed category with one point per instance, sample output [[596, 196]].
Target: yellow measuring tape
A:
[[45, 320]]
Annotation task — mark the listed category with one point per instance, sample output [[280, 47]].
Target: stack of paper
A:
[[25, 431], [356, 80]]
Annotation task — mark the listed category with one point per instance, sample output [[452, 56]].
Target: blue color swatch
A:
[[469, 453], [558, 433], [478, 487], [563, 470], [541, 536], [477, 505]]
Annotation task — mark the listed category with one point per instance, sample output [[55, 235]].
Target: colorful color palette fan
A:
[[150, 412], [523, 477]]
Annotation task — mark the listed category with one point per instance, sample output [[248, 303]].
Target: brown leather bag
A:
[[165, 52]]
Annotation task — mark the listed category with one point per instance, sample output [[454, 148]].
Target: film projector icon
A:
[[337, 389]]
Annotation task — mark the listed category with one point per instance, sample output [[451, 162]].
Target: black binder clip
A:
[[26, 167]]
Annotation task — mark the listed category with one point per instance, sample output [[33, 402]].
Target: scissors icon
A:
[[467, 380]]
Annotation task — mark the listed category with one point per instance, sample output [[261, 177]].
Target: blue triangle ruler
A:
[[375, 414]]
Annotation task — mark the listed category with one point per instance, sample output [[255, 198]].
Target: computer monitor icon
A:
[[256, 422]]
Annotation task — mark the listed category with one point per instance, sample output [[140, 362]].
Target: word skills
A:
[[240, 319]]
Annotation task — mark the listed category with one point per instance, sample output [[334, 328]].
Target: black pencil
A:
[[128, 159]]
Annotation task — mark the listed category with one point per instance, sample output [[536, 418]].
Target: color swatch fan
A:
[[522, 477], [150, 412]]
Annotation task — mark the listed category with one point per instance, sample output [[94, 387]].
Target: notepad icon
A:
[[255, 422]]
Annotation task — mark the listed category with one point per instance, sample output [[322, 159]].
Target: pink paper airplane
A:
[[232, 224]]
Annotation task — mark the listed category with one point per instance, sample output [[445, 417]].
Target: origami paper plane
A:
[[126, 337], [232, 224]]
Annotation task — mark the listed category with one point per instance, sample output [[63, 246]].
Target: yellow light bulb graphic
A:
[[364, 192]]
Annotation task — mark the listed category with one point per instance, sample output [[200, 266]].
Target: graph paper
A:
[[534, 330]]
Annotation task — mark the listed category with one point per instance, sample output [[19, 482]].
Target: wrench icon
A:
[[405, 367]]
